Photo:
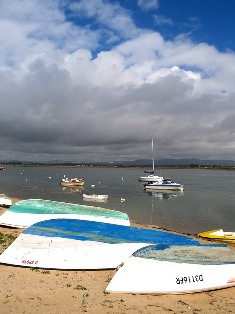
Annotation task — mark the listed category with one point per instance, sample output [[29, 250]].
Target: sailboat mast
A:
[[152, 153]]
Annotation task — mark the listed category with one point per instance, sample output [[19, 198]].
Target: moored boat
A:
[[166, 184], [96, 197], [72, 182], [150, 175], [218, 234]]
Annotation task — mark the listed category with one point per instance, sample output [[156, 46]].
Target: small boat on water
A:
[[165, 184], [72, 182], [150, 177], [1, 168], [96, 197], [218, 234]]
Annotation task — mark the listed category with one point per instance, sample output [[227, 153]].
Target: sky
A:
[[94, 80]]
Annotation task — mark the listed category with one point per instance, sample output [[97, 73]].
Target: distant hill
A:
[[189, 162]]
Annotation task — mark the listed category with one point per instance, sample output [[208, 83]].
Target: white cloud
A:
[[109, 16], [148, 4], [162, 20]]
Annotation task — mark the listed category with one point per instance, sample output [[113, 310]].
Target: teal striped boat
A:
[[28, 212]]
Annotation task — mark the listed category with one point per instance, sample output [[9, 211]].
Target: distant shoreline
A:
[[190, 167]]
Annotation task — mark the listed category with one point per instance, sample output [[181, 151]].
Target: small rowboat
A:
[[5, 201], [218, 234], [72, 182], [175, 269], [97, 197]]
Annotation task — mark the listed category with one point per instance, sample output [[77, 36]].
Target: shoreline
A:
[[118, 166], [27, 290]]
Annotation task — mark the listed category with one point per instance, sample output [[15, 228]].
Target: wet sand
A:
[[28, 290]]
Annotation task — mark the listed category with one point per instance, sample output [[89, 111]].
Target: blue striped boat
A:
[[82, 244]]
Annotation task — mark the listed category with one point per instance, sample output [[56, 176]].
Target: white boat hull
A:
[[95, 197], [151, 179], [5, 201], [161, 187], [139, 275], [44, 252], [72, 182]]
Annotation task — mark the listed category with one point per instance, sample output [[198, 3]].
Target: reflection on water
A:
[[207, 202], [165, 195], [73, 189], [95, 200]]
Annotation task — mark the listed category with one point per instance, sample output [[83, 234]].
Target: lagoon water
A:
[[208, 201]]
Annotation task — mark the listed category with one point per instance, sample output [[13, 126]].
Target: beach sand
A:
[[28, 290]]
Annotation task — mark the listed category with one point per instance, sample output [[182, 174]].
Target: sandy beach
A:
[[28, 290]]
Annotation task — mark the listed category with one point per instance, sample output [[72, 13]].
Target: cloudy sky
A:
[[93, 80]]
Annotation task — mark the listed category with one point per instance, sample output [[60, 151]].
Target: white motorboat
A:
[[150, 176], [97, 197], [166, 184]]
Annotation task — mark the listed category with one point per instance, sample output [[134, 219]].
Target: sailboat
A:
[[150, 175]]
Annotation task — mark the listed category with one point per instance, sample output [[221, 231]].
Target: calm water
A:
[[207, 202]]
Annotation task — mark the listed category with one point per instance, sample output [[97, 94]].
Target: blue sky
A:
[[94, 79], [209, 21]]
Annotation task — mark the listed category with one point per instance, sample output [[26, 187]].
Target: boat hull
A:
[[5, 201], [150, 179], [95, 197], [28, 212], [163, 187], [218, 234], [82, 244], [146, 276], [176, 270], [71, 184]]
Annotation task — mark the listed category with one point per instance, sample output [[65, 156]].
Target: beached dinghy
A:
[[78, 244], [175, 269], [5, 201], [218, 234], [28, 212]]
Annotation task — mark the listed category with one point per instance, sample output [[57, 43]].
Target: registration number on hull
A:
[[189, 279]]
